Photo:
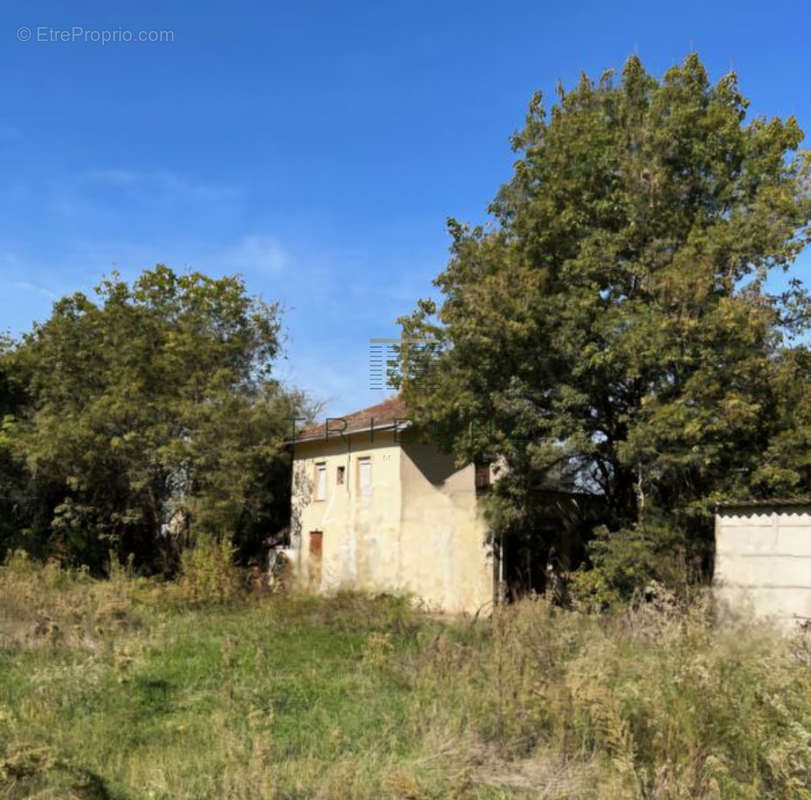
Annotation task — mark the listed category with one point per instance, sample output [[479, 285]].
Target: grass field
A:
[[125, 689]]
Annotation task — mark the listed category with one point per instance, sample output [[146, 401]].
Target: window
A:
[[320, 481], [339, 476], [365, 476], [482, 476]]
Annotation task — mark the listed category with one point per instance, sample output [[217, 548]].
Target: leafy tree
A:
[[13, 480], [614, 324], [153, 412]]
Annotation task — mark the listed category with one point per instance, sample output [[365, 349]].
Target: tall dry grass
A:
[[129, 689], [653, 703]]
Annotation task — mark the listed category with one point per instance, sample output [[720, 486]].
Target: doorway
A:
[[316, 554]]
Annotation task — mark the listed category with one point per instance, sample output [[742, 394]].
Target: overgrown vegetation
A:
[[619, 325], [612, 333], [143, 419], [129, 688]]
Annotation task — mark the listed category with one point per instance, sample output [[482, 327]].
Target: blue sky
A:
[[315, 148]]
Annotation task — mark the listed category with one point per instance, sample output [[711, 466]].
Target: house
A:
[[763, 558], [374, 509]]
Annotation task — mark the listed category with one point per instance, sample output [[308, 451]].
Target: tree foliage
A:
[[614, 323], [151, 416]]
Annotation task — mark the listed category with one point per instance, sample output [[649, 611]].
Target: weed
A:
[[132, 689]]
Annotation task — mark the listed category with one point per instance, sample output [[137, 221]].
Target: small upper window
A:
[[339, 475], [320, 481], [365, 475]]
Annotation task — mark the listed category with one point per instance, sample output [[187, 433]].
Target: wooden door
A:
[[316, 550]]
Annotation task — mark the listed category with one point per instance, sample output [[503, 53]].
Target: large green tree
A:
[[151, 416], [16, 500], [614, 322]]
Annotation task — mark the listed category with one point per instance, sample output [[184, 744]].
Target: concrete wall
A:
[[416, 530], [763, 560]]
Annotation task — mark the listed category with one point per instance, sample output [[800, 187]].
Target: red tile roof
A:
[[384, 414]]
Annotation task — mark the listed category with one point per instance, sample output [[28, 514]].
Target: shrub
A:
[[625, 562], [208, 573]]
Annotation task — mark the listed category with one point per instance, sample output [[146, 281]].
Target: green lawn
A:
[[281, 697], [120, 689]]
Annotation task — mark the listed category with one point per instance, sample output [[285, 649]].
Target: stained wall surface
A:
[[763, 560], [413, 527]]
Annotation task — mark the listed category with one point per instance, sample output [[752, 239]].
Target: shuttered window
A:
[[365, 476], [320, 481]]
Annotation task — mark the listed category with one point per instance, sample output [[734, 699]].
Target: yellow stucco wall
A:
[[447, 560], [417, 529]]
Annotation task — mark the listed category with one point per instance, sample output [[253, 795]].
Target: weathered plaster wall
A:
[[447, 559], [360, 530], [763, 560], [417, 530]]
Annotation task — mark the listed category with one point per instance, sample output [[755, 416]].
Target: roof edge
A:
[[777, 502], [401, 424]]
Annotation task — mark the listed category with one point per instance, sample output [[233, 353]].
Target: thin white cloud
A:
[[9, 260], [114, 176], [12, 265], [160, 181], [33, 287], [256, 254], [339, 379]]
